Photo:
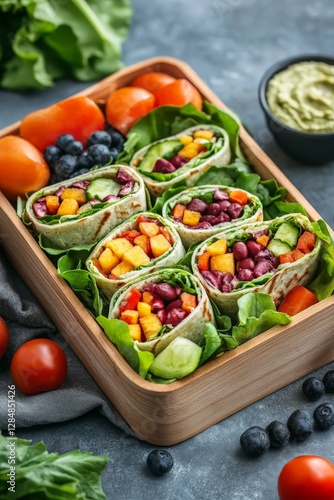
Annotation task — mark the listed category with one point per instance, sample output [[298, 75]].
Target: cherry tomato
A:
[[39, 365], [152, 81], [178, 93], [22, 167], [4, 337], [307, 477], [79, 116], [126, 105]]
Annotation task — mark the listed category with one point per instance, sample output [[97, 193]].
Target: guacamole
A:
[[302, 96]]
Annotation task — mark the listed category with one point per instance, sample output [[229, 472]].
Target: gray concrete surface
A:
[[229, 43]]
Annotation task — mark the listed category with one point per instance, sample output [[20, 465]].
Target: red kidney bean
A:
[[260, 233], [253, 247], [175, 304], [210, 278], [165, 291], [220, 278], [59, 191], [40, 199], [163, 166], [201, 225], [262, 267], [225, 204], [245, 275], [82, 184], [220, 195], [235, 210], [240, 250], [157, 304], [162, 315], [207, 218], [126, 189], [247, 263], [227, 288], [94, 201], [222, 218], [197, 205], [123, 176], [40, 208], [110, 198], [178, 290], [178, 161], [213, 209], [227, 278], [175, 316], [266, 255]]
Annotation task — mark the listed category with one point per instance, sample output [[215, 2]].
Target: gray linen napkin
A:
[[26, 320]]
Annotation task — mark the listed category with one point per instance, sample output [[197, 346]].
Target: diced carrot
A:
[[238, 197], [130, 235], [52, 204], [164, 231], [178, 211], [263, 240], [189, 302], [291, 256], [298, 299], [132, 301], [306, 242], [203, 261]]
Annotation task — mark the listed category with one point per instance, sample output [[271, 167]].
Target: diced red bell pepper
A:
[[132, 301]]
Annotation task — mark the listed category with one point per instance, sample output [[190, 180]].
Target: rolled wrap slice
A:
[[137, 247], [185, 156], [166, 304], [271, 245], [103, 199], [191, 211]]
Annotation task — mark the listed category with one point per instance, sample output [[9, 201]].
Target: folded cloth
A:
[[79, 393]]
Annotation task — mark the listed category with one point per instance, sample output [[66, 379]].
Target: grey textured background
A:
[[229, 43]]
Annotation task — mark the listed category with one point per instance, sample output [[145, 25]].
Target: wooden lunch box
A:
[[169, 414]]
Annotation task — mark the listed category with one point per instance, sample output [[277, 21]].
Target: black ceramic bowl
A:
[[307, 147]]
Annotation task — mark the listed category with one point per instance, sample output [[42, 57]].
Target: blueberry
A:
[[114, 153], [99, 154], [65, 166], [117, 140], [99, 137], [84, 161], [74, 148], [328, 381], [313, 388], [300, 425], [255, 441], [63, 140], [324, 416], [279, 434], [51, 155], [159, 462]]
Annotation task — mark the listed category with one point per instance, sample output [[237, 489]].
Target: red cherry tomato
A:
[[4, 337], [152, 81], [39, 365], [22, 167], [178, 93], [307, 477], [126, 105], [79, 116]]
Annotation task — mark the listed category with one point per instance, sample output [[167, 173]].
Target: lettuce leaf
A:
[[44, 40], [40, 474]]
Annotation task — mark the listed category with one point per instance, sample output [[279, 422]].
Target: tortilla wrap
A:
[[278, 284], [192, 327], [84, 230], [110, 286], [192, 170], [252, 213]]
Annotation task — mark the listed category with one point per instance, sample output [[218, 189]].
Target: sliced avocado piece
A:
[[165, 149], [101, 187], [288, 234], [177, 360], [277, 247]]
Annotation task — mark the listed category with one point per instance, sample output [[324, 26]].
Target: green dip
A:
[[302, 96]]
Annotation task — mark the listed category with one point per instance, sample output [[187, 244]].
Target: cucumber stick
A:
[[177, 360]]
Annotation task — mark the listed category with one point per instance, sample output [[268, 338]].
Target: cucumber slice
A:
[[165, 149], [101, 187], [177, 360], [278, 247], [288, 234]]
